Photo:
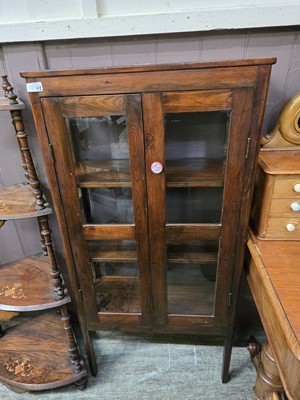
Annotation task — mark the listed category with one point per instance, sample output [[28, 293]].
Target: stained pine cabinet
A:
[[151, 173]]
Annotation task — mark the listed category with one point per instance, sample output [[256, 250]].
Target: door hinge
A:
[[52, 153], [229, 299], [248, 146]]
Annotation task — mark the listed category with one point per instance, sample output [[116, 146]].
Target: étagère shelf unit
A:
[[40, 353]]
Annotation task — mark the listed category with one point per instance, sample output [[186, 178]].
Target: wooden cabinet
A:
[[41, 352], [151, 171], [276, 205]]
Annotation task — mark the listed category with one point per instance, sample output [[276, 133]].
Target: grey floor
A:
[[141, 367]]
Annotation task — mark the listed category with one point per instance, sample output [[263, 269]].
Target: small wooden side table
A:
[[273, 273]]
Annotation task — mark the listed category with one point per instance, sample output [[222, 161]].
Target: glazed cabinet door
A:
[[196, 151], [98, 147]]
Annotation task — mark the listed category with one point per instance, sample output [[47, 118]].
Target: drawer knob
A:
[[157, 167], [290, 227], [295, 206], [297, 187]]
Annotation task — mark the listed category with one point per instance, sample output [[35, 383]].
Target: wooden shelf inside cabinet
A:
[[112, 251], [121, 294], [195, 172], [125, 251], [17, 202], [26, 285], [34, 355]]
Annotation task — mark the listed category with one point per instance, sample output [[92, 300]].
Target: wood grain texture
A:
[[17, 202], [92, 106], [74, 274], [276, 296], [68, 194], [106, 173], [180, 232], [5, 106], [139, 192], [283, 162], [153, 118], [200, 172], [276, 177], [106, 232], [26, 285], [195, 172], [237, 88], [149, 67], [34, 355], [207, 100], [149, 81]]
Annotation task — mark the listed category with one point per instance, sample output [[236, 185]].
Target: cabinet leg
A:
[[227, 350], [90, 352], [268, 384]]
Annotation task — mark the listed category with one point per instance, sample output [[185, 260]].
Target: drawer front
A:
[[283, 228], [289, 207], [287, 186]]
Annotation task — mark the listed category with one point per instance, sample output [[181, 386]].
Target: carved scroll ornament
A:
[[287, 131]]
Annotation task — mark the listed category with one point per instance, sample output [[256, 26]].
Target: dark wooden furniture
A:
[[151, 174], [40, 353], [273, 275]]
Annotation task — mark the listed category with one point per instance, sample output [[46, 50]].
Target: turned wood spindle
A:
[[27, 159], [5, 86], [55, 272], [27, 162], [8, 90], [44, 247], [72, 345]]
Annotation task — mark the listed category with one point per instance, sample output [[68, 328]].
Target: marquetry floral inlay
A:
[[15, 291], [22, 368], [3, 207]]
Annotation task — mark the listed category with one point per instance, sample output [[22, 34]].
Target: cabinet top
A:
[[151, 67], [283, 162]]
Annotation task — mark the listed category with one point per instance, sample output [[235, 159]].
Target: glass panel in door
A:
[[100, 144], [195, 159]]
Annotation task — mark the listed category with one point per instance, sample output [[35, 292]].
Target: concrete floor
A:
[[142, 367]]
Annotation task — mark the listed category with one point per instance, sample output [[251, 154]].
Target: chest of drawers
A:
[[276, 206]]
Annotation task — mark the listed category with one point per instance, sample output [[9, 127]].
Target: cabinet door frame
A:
[[78, 233], [239, 102]]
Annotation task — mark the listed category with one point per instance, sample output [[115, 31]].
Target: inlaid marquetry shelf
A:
[[17, 202], [40, 353], [26, 285], [34, 355]]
